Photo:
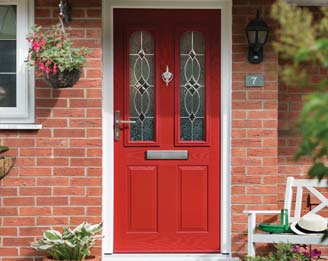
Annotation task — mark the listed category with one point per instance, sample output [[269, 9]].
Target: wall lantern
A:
[[257, 33]]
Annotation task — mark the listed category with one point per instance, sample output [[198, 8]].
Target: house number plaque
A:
[[254, 80]]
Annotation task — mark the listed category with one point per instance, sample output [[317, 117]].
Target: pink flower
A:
[[42, 67], [42, 43], [36, 46], [315, 253], [54, 69]]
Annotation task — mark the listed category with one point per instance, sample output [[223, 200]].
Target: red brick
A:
[[35, 211], [72, 113], [18, 221], [38, 152], [8, 192], [21, 201], [92, 181], [90, 162], [52, 201], [65, 191], [6, 251], [52, 181], [72, 152], [86, 142], [69, 211], [69, 171], [85, 123], [8, 231], [69, 93], [35, 172], [32, 231], [8, 181], [52, 142], [94, 211], [52, 221], [85, 201], [17, 241], [94, 192], [69, 133], [53, 161]]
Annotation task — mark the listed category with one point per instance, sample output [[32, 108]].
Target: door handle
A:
[[118, 123]]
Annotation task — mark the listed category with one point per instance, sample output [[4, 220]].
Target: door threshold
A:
[[168, 257]]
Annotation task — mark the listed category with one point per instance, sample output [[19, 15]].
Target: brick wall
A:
[[254, 125], [57, 176]]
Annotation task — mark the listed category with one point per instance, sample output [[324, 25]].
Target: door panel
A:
[[193, 201], [167, 205], [142, 197]]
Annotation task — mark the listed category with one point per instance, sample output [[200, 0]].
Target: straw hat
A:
[[309, 224]]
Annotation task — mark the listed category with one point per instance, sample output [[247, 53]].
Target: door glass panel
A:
[[7, 56], [142, 86], [192, 87]]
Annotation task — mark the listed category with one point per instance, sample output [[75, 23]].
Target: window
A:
[[16, 80]]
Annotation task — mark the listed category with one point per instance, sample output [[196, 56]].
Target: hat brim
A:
[[295, 228]]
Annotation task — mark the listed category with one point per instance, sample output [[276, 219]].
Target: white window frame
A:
[[23, 115]]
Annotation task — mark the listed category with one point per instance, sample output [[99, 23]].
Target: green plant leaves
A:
[[3, 148], [51, 50], [301, 52], [52, 235], [71, 244]]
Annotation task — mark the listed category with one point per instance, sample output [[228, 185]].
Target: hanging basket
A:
[[63, 79], [6, 164]]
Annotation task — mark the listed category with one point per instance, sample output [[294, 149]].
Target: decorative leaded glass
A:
[[142, 86], [8, 56], [192, 87]]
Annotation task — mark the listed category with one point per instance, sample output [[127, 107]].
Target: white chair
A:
[[293, 185]]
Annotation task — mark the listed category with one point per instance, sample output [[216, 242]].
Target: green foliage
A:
[[50, 50], [289, 252], [71, 244], [303, 42], [3, 148]]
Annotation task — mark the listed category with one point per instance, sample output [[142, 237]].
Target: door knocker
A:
[[167, 76]]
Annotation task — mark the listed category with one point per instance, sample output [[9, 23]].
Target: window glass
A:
[[142, 86], [192, 87], [8, 56]]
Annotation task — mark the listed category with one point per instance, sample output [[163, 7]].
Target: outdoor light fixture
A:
[[257, 34]]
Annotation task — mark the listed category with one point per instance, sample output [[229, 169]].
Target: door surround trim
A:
[[108, 111]]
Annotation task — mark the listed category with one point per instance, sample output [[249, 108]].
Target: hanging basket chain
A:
[[60, 17]]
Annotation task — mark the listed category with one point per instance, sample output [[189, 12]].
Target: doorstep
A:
[[169, 257]]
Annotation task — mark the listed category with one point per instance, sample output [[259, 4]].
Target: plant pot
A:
[[88, 258], [63, 79], [6, 163]]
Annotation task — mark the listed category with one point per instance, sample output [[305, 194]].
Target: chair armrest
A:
[[248, 212]]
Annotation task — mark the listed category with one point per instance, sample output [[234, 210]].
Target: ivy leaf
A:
[[3, 148], [318, 170]]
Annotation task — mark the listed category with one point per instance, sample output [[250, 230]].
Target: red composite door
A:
[[167, 131]]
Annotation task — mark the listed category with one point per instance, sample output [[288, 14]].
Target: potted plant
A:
[[71, 244], [53, 55]]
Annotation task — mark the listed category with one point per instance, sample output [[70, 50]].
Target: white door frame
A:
[[108, 111]]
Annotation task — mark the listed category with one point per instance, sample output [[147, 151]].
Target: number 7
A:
[[254, 78]]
